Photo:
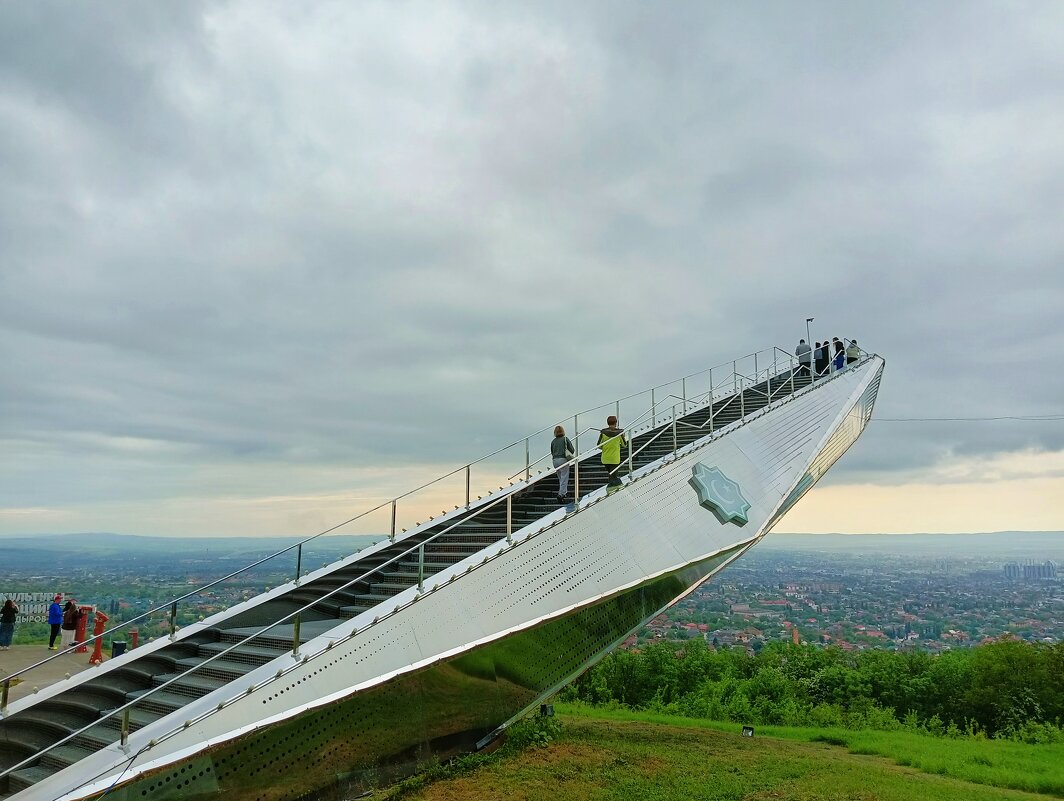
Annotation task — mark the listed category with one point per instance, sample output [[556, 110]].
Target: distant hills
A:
[[1004, 544], [107, 545], [55, 551]]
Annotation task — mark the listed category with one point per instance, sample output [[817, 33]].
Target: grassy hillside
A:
[[626, 755]]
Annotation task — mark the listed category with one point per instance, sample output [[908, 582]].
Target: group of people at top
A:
[[825, 357], [611, 440], [62, 619]]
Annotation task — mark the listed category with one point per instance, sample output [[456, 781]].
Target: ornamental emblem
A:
[[720, 495]]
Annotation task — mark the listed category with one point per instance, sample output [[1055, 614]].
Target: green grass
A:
[[999, 763], [619, 754]]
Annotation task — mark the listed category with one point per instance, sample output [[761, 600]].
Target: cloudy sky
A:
[[265, 265]]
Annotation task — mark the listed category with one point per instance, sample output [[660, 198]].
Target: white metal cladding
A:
[[650, 527]]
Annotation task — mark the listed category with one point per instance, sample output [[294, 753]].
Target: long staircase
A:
[[30, 736]]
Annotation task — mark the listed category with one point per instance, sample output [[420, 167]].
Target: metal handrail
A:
[[124, 733], [390, 503]]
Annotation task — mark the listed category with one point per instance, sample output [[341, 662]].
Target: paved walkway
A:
[[21, 656]]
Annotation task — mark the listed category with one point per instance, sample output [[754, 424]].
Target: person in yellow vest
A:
[[611, 440]]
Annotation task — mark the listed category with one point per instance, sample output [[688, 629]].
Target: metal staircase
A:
[[61, 730]]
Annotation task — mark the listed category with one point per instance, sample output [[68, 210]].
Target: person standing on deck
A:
[[821, 356], [853, 353], [55, 620], [805, 357], [611, 440], [71, 614], [7, 624], [839, 360], [561, 451]]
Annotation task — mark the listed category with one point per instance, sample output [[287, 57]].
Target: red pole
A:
[[134, 637], [100, 625], [79, 632]]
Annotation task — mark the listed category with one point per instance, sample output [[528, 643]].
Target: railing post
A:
[[510, 519], [4, 692], [299, 561], [734, 376], [755, 368], [173, 620], [742, 404], [792, 377], [421, 568], [631, 448], [653, 410], [711, 400], [295, 635], [125, 728], [674, 429], [576, 460], [391, 536], [528, 463], [468, 470], [683, 384]]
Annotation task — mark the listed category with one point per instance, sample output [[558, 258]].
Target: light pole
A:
[[808, 320]]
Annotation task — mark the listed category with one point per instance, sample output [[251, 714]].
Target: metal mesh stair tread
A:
[[27, 777], [65, 755], [161, 699], [281, 633], [99, 736], [231, 668], [138, 718], [198, 685]]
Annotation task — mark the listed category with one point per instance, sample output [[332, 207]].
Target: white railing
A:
[[669, 421]]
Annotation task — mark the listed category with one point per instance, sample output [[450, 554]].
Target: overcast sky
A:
[[262, 265]]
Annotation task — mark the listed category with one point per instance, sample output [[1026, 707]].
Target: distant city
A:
[[927, 592]]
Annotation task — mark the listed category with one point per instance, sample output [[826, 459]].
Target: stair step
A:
[[375, 599], [261, 650], [65, 755], [193, 686], [225, 669], [26, 777], [353, 611], [138, 719], [162, 702], [96, 738]]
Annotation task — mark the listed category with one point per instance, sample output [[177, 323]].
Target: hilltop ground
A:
[[633, 756]]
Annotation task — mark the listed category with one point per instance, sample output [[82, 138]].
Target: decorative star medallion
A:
[[720, 495]]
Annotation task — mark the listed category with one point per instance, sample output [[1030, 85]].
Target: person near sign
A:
[[55, 620], [7, 624], [71, 615]]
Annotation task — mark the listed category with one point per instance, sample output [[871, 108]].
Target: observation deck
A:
[[431, 641]]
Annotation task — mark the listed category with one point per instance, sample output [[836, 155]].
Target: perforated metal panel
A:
[[586, 579]]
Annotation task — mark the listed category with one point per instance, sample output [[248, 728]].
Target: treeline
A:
[[1010, 688]]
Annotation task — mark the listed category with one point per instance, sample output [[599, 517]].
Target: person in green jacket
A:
[[611, 440]]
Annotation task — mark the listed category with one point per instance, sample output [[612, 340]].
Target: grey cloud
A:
[[395, 235]]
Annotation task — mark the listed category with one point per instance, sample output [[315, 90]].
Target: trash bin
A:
[[118, 647]]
